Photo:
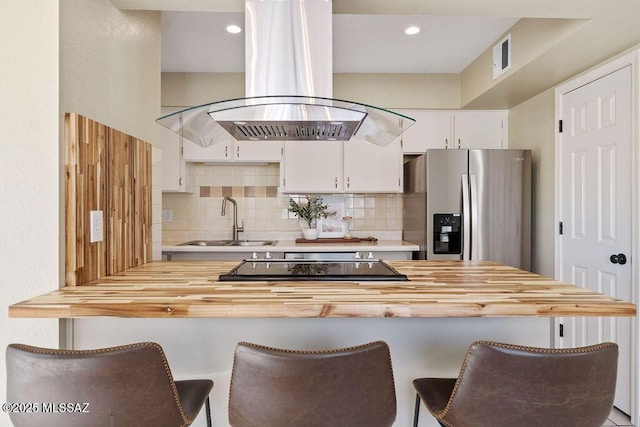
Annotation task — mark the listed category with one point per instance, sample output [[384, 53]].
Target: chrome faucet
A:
[[236, 229]]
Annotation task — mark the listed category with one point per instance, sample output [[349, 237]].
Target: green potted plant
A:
[[308, 213]]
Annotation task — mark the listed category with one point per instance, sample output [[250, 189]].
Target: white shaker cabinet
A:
[[233, 151], [352, 166], [480, 129], [311, 167], [173, 165], [432, 129], [454, 129], [369, 168]]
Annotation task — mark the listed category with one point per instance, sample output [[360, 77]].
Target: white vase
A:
[[310, 233]]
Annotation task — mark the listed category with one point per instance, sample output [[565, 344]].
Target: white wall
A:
[[29, 169]]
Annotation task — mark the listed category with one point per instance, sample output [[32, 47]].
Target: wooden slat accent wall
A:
[[142, 203], [85, 191], [106, 170]]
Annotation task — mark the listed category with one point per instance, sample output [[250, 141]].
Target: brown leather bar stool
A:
[[130, 385], [503, 385], [345, 387]]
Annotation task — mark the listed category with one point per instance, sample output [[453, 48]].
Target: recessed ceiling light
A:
[[412, 30], [233, 29]]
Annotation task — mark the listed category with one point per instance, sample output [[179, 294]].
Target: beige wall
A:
[[531, 125], [109, 64], [29, 169], [60, 56], [110, 72], [435, 91], [384, 90]]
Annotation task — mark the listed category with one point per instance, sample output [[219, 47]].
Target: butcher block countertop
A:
[[435, 289]]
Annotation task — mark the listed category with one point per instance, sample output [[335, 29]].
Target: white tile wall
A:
[[263, 208]]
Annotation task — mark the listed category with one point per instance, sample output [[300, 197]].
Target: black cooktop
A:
[[301, 270]]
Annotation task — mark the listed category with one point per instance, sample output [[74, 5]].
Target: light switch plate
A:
[[167, 215], [97, 229]]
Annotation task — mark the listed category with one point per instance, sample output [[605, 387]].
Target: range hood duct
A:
[[288, 84]]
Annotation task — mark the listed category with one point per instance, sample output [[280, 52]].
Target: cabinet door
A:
[[312, 167], [220, 152], [257, 151], [173, 167], [369, 168], [229, 151], [432, 129], [480, 129]]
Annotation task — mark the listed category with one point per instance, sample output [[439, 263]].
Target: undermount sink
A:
[[229, 243]]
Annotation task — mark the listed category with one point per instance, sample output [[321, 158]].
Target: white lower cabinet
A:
[[341, 167], [454, 129]]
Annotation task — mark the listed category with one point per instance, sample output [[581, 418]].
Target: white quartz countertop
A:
[[292, 246]]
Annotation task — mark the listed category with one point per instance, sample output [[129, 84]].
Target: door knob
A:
[[618, 259]]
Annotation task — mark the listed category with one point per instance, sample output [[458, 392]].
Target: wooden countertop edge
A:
[[279, 310], [436, 289]]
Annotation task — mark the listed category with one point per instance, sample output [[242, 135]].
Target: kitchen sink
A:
[[229, 243]]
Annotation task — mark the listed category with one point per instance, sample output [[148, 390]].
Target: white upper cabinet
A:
[[454, 129], [432, 129], [173, 167], [341, 167], [480, 129], [369, 168], [233, 151], [311, 167]]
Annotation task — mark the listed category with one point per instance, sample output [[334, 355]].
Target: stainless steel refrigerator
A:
[[469, 205]]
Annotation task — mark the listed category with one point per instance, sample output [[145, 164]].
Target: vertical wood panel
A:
[[85, 192], [106, 170], [120, 189], [142, 203]]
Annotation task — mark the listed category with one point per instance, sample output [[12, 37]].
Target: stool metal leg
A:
[[416, 411], [208, 411]]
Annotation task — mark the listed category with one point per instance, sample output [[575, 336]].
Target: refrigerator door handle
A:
[[475, 243], [466, 219]]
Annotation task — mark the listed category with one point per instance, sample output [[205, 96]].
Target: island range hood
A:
[[288, 84]]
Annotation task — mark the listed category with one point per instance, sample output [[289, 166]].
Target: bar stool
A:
[[345, 387], [129, 385], [503, 385]]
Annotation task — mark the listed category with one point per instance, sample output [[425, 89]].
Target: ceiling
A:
[[557, 39], [198, 42]]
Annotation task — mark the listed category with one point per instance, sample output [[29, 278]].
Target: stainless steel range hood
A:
[[288, 83]]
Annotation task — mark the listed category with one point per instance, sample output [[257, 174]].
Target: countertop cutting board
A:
[[338, 240]]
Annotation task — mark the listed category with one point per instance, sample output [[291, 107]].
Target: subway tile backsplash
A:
[[262, 208]]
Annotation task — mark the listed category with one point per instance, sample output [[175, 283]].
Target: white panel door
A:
[[595, 210]]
